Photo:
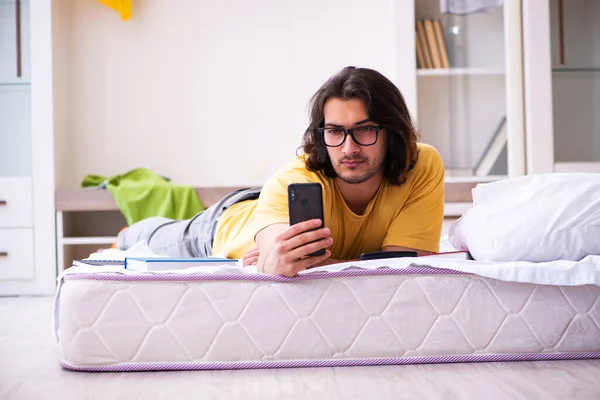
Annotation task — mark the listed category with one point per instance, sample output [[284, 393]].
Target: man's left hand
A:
[[250, 258]]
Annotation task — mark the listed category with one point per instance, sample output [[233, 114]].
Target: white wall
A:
[[207, 92]]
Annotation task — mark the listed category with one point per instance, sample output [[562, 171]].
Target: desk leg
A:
[[60, 247]]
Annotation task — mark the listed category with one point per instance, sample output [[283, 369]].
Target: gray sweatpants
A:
[[187, 238]]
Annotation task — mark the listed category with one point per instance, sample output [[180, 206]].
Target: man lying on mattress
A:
[[382, 191]]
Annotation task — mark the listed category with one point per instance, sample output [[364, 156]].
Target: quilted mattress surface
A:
[[117, 322]]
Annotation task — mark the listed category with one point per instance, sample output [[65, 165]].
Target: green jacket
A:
[[141, 193]]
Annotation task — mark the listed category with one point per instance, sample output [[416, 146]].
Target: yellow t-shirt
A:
[[409, 215]]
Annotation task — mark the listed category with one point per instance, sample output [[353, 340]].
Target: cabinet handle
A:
[[3, 253], [18, 23], [2, 202]]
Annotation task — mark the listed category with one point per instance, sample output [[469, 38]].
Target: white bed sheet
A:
[[559, 272]]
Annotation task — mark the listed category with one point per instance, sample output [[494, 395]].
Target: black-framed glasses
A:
[[362, 135]]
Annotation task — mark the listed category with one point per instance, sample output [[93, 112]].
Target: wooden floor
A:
[[29, 369]]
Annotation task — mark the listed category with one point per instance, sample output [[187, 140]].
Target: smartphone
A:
[[305, 202], [387, 254]]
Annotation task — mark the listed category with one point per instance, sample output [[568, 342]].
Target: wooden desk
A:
[[89, 219], [101, 199]]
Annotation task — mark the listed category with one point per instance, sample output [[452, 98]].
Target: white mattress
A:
[[107, 320]]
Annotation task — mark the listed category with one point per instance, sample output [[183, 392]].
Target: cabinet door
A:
[[15, 131], [16, 254], [15, 108], [16, 208], [27, 233], [575, 60], [14, 41]]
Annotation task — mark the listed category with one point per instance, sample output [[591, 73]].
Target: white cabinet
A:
[[536, 62], [575, 62], [471, 109], [562, 85], [27, 225]]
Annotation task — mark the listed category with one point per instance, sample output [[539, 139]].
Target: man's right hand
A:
[[284, 250]]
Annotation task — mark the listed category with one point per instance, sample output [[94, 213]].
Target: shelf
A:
[[8, 84], [460, 72], [577, 167], [474, 179], [591, 69], [89, 240]]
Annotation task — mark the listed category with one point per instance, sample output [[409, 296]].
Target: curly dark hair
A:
[[384, 104]]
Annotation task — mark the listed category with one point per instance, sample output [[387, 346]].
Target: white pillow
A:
[[535, 218]]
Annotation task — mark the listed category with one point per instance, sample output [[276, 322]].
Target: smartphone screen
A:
[[305, 202]]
